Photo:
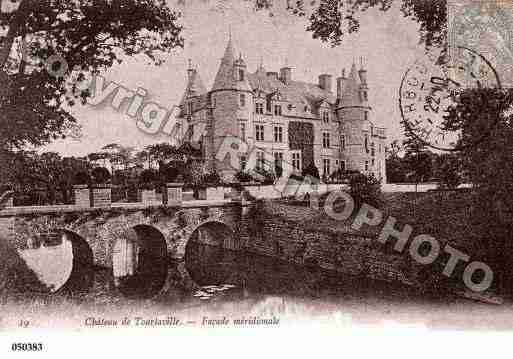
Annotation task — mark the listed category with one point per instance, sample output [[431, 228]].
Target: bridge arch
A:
[[81, 277], [140, 261], [207, 256]]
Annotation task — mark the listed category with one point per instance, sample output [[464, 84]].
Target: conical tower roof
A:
[[351, 90], [195, 86], [225, 78]]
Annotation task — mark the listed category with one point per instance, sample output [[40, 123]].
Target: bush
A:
[[449, 171], [365, 189], [242, 176], [211, 178], [268, 177], [81, 178], [169, 173], [147, 179], [311, 171], [101, 175]]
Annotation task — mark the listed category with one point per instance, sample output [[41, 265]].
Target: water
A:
[[242, 285], [220, 272]]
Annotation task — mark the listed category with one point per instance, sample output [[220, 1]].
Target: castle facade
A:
[[325, 124]]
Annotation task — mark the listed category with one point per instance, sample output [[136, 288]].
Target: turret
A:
[[232, 100], [340, 84], [353, 114]]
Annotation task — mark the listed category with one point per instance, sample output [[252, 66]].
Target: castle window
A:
[[296, 160], [365, 97], [243, 131], [367, 143], [242, 100], [326, 140], [372, 162], [241, 75], [189, 108], [277, 110], [366, 165], [373, 150], [278, 134], [366, 115], [259, 160], [190, 132], [343, 142], [243, 163], [259, 108], [343, 165], [278, 163], [326, 167], [326, 117], [259, 132]]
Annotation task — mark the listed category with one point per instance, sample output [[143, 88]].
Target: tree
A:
[[395, 167], [448, 170], [485, 148], [44, 41], [119, 154], [331, 20], [163, 152], [418, 159], [30, 173], [365, 189]]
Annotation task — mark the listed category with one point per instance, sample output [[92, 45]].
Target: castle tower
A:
[[353, 113], [190, 108], [231, 99]]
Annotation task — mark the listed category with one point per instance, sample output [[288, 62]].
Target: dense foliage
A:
[[365, 189], [45, 41], [331, 20]]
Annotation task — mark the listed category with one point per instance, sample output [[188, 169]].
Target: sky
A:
[[388, 42]]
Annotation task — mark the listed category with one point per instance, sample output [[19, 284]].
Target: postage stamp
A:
[[431, 86]]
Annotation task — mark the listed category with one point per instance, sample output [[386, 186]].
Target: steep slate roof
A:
[[297, 92], [351, 89], [194, 87], [225, 78]]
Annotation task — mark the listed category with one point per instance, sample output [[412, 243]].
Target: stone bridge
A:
[[62, 244]]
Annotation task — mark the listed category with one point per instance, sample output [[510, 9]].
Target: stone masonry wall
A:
[[278, 231]]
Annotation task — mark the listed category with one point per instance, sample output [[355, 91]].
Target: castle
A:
[[297, 122]]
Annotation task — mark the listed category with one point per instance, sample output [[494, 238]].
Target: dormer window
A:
[[241, 74], [277, 110], [365, 98], [242, 100], [306, 108]]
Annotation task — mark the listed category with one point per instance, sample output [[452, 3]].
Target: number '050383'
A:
[[27, 347]]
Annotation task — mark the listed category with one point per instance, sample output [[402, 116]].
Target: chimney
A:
[[286, 75], [325, 82], [272, 74], [340, 84]]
